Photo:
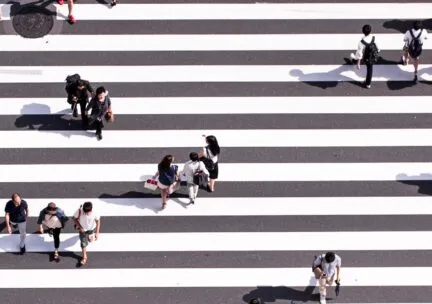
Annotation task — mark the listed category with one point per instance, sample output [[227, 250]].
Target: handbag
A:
[[151, 184]]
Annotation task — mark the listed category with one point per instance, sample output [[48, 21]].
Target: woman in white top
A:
[[211, 151], [54, 219], [189, 170]]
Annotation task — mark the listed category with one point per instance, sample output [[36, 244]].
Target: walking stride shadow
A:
[[423, 181], [404, 25]]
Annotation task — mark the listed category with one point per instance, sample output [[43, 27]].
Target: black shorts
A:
[[215, 172]]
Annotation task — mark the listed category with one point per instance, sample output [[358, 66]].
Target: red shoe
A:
[[71, 19], [61, 2]]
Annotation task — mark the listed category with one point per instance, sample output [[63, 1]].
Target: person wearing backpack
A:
[[78, 93], [193, 169], [367, 51], [209, 155], [325, 268], [167, 178], [413, 47]]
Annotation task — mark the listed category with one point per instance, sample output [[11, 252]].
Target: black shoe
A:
[[415, 78], [75, 114], [99, 136], [23, 250], [191, 201]]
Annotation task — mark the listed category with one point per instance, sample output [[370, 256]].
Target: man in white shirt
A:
[[87, 223], [364, 48], [325, 268], [193, 166], [414, 39]]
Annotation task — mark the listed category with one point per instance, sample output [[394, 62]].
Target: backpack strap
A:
[[421, 31]]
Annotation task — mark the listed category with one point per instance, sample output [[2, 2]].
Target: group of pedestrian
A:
[[52, 220], [367, 50], [200, 171], [70, 3], [80, 92]]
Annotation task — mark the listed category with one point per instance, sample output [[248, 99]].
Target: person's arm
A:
[[7, 222], [76, 220], [316, 264], [39, 222], [89, 105], [338, 268], [98, 224]]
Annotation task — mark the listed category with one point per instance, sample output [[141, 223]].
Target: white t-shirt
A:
[[328, 268], [88, 222], [361, 46], [190, 169], [408, 38]]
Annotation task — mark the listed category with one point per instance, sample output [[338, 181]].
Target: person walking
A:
[[191, 168], [100, 106], [16, 215], [209, 155], [167, 178], [71, 18], [326, 267], [367, 51], [54, 219], [88, 223], [414, 39]]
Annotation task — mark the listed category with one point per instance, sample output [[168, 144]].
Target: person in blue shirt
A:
[[16, 215]]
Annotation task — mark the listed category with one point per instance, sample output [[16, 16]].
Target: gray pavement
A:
[[167, 224]]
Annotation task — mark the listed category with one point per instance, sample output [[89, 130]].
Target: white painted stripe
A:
[[249, 11], [227, 138], [248, 172], [232, 105], [256, 206], [209, 277], [259, 42], [232, 73], [229, 241]]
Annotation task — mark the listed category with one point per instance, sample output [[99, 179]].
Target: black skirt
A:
[[215, 172]]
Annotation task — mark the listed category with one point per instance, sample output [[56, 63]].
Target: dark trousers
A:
[[98, 125], [82, 103], [369, 73], [56, 235]]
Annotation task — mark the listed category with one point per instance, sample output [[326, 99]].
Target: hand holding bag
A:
[[151, 184]]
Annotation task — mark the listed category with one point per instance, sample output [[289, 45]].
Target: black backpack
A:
[[415, 47], [70, 80], [370, 54]]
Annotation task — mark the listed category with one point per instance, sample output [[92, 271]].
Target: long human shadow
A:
[[422, 181], [404, 25], [270, 294], [320, 79], [60, 121]]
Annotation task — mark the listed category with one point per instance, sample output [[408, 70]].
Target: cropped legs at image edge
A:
[[304, 160]]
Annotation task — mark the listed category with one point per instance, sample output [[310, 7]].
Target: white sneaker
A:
[[322, 299]]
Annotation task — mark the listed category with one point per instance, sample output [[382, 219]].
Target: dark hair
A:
[[51, 207], [87, 207], [213, 145], [100, 90], [367, 29], [14, 196], [165, 164], [417, 25], [80, 83], [193, 156], [330, 257]]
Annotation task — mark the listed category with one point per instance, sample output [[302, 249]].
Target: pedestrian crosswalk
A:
[[311, 161]]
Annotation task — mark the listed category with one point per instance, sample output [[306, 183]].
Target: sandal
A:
[[163, 205], [56, 256], [83, 261]]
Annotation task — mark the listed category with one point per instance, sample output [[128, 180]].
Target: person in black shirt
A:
[[17, 212], [100, 106], [78, 93]]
